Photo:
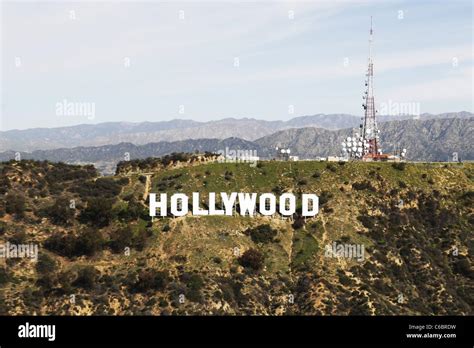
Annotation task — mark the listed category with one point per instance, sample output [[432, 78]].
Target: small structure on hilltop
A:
[[283, 154]]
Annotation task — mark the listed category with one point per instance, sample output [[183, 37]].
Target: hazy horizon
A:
[[222, 119]]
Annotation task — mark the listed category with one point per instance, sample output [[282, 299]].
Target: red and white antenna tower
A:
[[370, 131], [366, 145]]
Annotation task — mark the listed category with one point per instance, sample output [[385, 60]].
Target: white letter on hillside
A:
[[262, 203], [196, 209], [161, 204], [228, 202], [174, 204], [212, 205], [314, 199], [247, 203], [292, 206]]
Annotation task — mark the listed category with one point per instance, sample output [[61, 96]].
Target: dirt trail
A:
[[324, 238], [290, 255], [147, 185]]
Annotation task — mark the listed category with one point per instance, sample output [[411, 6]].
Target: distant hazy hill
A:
[[106, 157], [428, 140], [175, 130]]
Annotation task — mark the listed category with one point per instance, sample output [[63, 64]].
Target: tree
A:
[[133, 211], [46, 267], [98, 212], [15, 204], [261, 234], [86, 277], [194, 284], [46, 264], [150, 279], [120, 239], [60, 213], [87, 243], [4, 276], [252, 259]]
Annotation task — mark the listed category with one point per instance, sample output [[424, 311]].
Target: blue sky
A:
[[309, 55]]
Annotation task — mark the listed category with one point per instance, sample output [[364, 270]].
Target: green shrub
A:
[[87, 277], [133, 211], [103, 188], [463, 267], [15, 204], [150, 280], [261, 234], [399, 165], [4, 276], [46, 264], [364, 185], [60, 213], [278, 190], [19, 236], [98, 212], [367, 221], [194, 284], [87, 243], [331, 167], [252, 259], [298, 223], [228, 175], [3, 227], [402, 184], [121, 238], [302, 182], [140, 238], [324, 197]]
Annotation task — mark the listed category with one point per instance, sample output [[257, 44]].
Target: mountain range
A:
[[175, 130], [425, 140], [430, 139]]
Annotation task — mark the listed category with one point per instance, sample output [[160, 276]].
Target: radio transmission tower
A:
[[370, 131], [366, 145]]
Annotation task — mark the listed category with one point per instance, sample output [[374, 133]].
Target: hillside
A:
[[414, 220], [111, 133]]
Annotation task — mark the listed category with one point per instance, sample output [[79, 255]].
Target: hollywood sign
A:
[[178, 204]]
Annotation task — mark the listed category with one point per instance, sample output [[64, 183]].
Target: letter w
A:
[[247, 202]]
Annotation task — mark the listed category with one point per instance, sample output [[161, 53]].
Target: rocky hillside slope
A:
[[100, 253]]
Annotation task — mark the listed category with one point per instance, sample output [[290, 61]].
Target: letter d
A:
[[314, 199]]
